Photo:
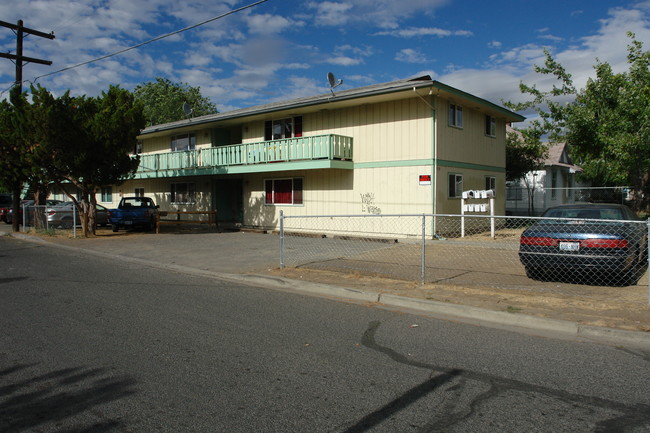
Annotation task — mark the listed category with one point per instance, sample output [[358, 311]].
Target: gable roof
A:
[[383, 91], [558, 156]]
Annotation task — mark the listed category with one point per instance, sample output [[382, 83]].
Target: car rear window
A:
[[602, 214]]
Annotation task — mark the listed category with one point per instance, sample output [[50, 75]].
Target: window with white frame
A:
[[137, 149], [183, 142], [455, 115], [183, 193], [283, 191], [490, 126], [107, 194], [491, 183], [455, 186], [283, 128]]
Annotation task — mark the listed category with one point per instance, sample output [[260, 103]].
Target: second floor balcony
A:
[[319, 151]]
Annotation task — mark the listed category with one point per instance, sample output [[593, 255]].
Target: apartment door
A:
[[229, 201]]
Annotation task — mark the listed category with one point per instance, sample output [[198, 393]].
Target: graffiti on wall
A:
[[368, 204]]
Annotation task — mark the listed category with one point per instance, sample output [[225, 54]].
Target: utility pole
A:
[[20, 31], [18, 59]]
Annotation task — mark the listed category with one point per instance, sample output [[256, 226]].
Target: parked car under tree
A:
[[29, 207], [63, 215], [134, 212], [578, 241]]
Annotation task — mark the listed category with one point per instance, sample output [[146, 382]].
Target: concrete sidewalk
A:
[[253, 258]]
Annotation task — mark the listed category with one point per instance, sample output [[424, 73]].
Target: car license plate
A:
[[569, 246], [128, 222]]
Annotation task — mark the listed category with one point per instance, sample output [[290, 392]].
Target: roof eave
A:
[[393, 87]]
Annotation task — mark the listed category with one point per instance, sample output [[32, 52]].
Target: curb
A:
[[467, 314]]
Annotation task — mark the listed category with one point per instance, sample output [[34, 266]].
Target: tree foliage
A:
[[607, 124], [524, 153], [163, 101], [15, 150], [85, 142]]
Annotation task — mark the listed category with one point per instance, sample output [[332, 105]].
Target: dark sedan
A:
[[578, 241]]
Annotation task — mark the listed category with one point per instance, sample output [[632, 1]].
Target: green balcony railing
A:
[[331, 146]]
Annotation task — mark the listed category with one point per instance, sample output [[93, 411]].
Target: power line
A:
[[152, 40], [20, 31]]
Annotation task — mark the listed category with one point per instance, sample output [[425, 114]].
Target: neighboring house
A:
[[553, 185], [404, 147]]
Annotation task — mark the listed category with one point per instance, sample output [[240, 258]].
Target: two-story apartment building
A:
[[404, 147]]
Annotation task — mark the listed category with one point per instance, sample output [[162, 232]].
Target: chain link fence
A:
[[534, 200], [500, 252], [50, 218]]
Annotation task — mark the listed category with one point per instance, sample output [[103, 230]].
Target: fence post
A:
[[24, 218], [281, 239], [74, 220], [422, 266]]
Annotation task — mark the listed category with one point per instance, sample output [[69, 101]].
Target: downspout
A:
[[434, 152]]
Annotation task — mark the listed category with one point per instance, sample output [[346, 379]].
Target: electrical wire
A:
[[151, 40]]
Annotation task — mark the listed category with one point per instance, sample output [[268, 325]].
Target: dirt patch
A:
[[614, 307]]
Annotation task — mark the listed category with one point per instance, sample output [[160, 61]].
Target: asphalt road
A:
[[93, 345]]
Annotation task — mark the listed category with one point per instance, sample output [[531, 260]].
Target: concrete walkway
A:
[[253, 258]]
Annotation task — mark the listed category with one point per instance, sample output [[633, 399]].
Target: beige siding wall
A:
[[472, 180], [163, 144], [469, 144], [390, 131], [389, 190]]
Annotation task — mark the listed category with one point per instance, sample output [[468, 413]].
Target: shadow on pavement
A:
[[59, 398]]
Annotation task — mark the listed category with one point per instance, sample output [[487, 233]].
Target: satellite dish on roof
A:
[[331, 79], [187, 109]]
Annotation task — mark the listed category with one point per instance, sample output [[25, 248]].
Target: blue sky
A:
[[283, 49]]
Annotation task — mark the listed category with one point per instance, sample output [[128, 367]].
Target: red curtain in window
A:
[[268, 189], [297, 126], [282, 191]]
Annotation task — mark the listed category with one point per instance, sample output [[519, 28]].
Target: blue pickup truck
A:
[[134, 212]]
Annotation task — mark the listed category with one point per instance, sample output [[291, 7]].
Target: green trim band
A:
[[470, 166], [428, 162]]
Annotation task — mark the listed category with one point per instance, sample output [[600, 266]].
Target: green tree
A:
[[15, 152], [86, 142], [163, 101], [607, 124]]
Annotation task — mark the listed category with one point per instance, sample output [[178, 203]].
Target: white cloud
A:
[[270, 52], [267, 24], [331, 13], [409, 55], [424, 31], [343, 61], [381, 13], [515, 65]]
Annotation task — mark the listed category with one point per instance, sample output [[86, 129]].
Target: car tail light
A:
[[538, 241], [604, 243], [51, 212]]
